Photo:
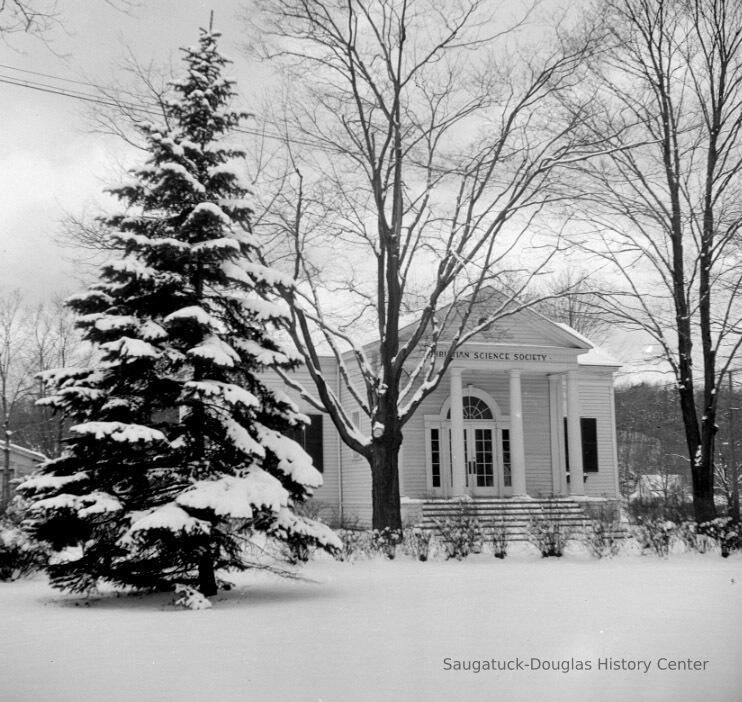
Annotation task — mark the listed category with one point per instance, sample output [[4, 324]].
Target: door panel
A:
[[479, 456]]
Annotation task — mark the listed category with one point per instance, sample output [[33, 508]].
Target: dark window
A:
[[309, 437], [589, 431], [506, 465], [435, 457]]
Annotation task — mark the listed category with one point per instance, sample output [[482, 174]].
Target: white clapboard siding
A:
[[357, 480], [521, 329], [596, 400], [355, 468], [329, 492], [537, 435], [23, 461]]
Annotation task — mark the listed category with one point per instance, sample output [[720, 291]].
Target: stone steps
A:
[[514, 515]]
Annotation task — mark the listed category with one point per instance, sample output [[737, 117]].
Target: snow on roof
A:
[[597, 357], [573, 332], [27, 452]]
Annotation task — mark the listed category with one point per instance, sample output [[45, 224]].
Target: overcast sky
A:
[[51, 163]]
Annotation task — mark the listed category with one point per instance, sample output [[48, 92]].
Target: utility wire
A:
[[59, 91], [47, 75], [114, 102], [68, 92], [325, 145]]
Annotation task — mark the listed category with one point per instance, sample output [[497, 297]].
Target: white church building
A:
[[500, 426]]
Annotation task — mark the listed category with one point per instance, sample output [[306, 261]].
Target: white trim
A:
[[28, 453], [458, 463], [470, 427], [443, 428], [505, 490], [442, 422], [557, 434], [574, 435], [517, 436], [429, 457], [471, 391]]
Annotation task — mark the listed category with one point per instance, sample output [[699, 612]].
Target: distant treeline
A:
[[651, 439]]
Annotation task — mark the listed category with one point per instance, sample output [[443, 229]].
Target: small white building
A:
[[23, 462], [502, 424]]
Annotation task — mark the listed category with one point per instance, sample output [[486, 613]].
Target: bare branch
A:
[[420, 158]]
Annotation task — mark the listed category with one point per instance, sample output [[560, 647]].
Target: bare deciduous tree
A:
[[574, 299], [39, 17], [33, 338], [667, 211], [54, 343], [15, 373], [137, 94], [422, 145], [32, 16]]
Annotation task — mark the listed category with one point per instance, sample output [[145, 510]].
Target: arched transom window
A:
[[474, 408]]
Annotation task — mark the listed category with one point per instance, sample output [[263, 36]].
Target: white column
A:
[[517, 446], [457, 434], [557, 434], [574, 436]]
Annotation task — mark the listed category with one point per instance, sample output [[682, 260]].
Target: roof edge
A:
[[29, 453]]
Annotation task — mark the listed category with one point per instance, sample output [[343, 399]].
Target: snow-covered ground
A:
[[381, 630]]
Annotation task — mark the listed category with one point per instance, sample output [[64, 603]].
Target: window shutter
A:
[[589, 431], [313, 441]]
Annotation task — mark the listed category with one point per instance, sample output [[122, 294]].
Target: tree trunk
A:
[[384, 460], [703, 490], [701, 462], [206, 576]]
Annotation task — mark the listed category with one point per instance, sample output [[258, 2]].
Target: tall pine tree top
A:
[[179, 452]]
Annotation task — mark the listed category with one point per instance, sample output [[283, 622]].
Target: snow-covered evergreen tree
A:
[[179, 451]]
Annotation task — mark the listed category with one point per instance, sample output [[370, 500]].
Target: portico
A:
[[480, 442]]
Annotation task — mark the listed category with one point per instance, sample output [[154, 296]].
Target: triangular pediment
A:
[[524, 327]]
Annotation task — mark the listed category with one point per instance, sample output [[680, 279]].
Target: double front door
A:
[[486, 459]]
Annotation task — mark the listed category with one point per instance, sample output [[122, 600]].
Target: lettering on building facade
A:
[[464, 355]]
